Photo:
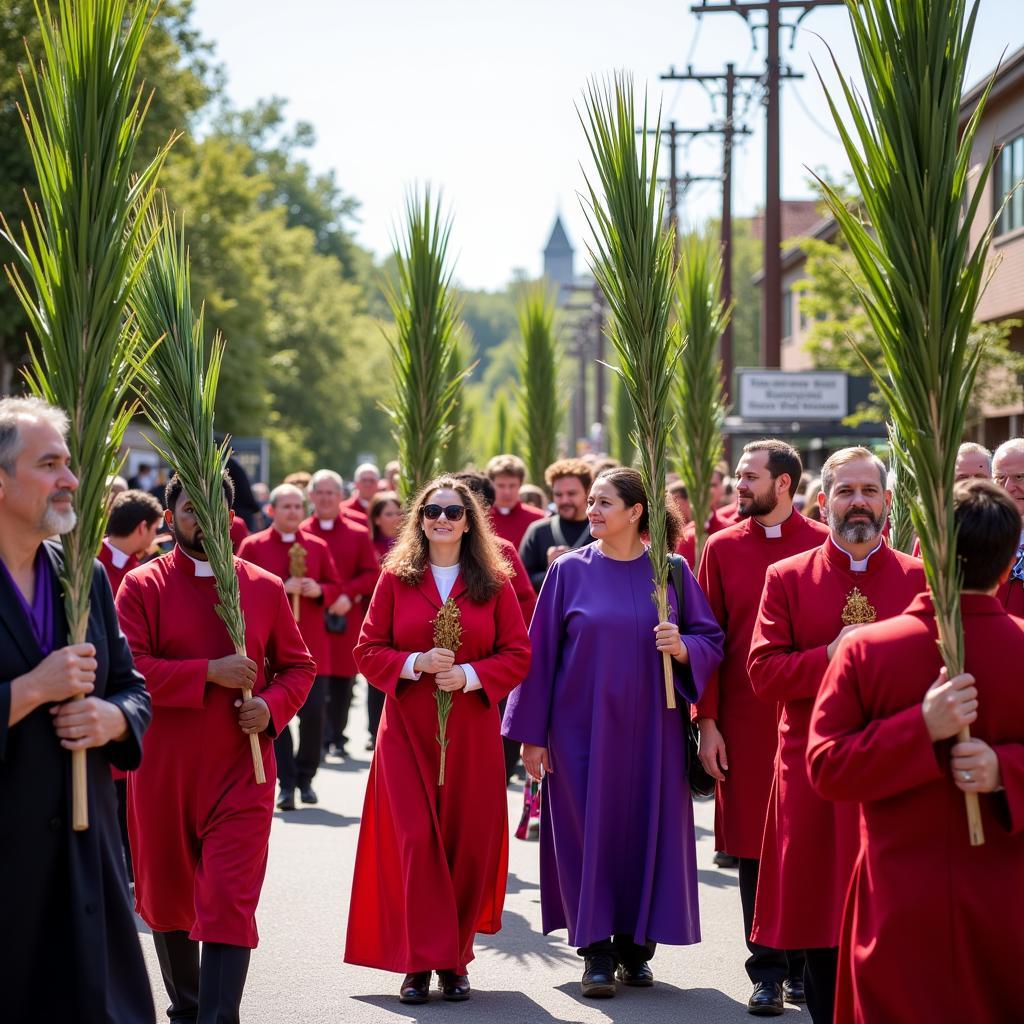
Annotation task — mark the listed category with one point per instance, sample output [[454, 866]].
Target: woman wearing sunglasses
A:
[[432, 859]]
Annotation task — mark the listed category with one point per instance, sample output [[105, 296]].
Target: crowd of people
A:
[[808, 683]]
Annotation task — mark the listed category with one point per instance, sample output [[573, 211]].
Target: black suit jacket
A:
[[73, 951]]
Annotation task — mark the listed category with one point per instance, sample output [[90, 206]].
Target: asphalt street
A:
[[520, 976]]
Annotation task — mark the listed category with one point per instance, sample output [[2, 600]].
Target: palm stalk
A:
[[447, 635], [923, 278], [540, 408], [703, 317], [78, 259], [179, 387], [424, 360], [632, 259]]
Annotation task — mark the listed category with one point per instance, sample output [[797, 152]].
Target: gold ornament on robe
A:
[[297, 567], [858, 609], [448, 635]]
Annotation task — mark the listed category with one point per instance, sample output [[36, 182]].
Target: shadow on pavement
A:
[[348, 764], [483, 1008], [516, 884], [518, 941], [663, 1004], [717, 878], [316, 816]]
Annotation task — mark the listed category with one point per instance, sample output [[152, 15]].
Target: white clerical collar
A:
[[202, 568], [857, 565], [773, 532], [326, 524], [504, 511], [118, 558], [288, 538]]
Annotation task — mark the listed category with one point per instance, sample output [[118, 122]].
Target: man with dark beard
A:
[[810, 602], [738, 731]]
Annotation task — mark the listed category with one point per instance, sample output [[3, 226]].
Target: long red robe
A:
[[687, 546], [513, 526], [267, 550], [810, 844], [933, 927], [199, 824], [432, 860], [731, 575], [356, 564], [525, 594]]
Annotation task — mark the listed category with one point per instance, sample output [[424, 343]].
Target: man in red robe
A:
[[932, 928], [131, 529], [738, 731], [1008, 472], [367, 483], [810, 602], [510, 517], [356, 563], [199, 823], [272, 549]]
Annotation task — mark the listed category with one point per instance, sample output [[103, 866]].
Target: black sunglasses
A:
[[453, 513]]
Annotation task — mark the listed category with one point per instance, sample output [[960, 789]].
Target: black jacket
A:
[[72, 950], [541, 535]]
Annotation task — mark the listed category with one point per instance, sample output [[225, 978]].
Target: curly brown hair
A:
[[569, 467], [481, 564]]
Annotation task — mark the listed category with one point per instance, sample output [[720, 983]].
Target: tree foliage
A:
[[541, 408]]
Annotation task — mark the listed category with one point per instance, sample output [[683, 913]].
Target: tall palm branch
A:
[[923, 276], [79, 257], [632, 259]]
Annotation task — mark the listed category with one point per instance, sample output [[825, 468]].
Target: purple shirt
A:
[[40, 612]]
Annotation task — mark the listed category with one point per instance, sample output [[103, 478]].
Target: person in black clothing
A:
[[569, 481]]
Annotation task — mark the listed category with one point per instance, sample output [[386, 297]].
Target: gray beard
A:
[[54, 522], [855, 533]]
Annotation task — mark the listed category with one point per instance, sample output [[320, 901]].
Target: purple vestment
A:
[[40, 612], [617, 850]]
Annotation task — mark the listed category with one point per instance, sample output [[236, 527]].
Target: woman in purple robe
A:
[[617, 848]]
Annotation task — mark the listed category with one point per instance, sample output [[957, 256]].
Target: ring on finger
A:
[[967, 777]]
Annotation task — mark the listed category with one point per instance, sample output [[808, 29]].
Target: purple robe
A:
[[617, 849]]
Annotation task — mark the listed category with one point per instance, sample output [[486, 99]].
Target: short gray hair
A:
[[1014, 446], [12, 411], [366, 467], [282, 489], [326, 474], [845, 455], [973, 448]]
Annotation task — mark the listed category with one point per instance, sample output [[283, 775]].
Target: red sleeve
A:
[[710, 579], [367, 570], [171, 683], [503, 670], [1011, 770], [290, 669], [375, 656], [851, 756], [521, 585], [778, 671]]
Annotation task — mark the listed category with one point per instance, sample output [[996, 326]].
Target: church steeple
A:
[[558, 260]]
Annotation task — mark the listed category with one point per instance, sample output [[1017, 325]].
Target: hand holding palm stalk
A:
[[923, 278], [77, 260], [448, 636], [180, 393], [633, 263]]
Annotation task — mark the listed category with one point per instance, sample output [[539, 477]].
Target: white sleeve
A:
[[472, 679], [408, 672]]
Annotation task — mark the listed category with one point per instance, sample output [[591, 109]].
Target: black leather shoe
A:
[[454, 987], [286, 800], [599, 976], [725, 860], [308, 794], [415, 988], [793, 991], [766, 1000], [638, 976]]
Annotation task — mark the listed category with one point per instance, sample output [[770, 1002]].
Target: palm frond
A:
[[424, 363], [922, 275], [540, 407], [703, 317], [632, 259]]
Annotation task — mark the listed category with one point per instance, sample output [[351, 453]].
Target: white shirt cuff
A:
[[472, 679], [408, 672]]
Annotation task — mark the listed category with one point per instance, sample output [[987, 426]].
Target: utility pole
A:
[[588, 346], [771, 321]]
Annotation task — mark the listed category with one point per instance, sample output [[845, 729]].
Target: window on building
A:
[[1008, 178], [787, 315]]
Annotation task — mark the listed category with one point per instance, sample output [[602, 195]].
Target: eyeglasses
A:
[[453, 513], [1004, 478]]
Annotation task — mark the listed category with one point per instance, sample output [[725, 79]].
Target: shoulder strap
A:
[[556, 532], [675, 568]]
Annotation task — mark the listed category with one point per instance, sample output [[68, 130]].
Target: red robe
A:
[[382, 545], [358, 569], [513, 526], [525, 594], [267, 550], [731, 576], [810, 844], [239, 531], [353, 508], [933, 927], [687, 546], [199, 824], [115, 575], [432, 860], [1011, 596]]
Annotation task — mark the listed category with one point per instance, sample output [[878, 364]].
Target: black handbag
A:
[[701, 783], [335, 623]]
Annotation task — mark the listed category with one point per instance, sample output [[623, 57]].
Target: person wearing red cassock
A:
[[367, 483], [358, 569], [131, 530], [198, 821], [1008, 473], [810, 602], [239, 531], [933, 927], [432, 859], [271, 549], [510, 517], [738, 731]]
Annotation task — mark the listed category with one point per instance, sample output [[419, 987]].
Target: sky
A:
[[477, 98]]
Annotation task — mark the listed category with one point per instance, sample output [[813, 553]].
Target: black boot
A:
[[221, 982], [179, 965]]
